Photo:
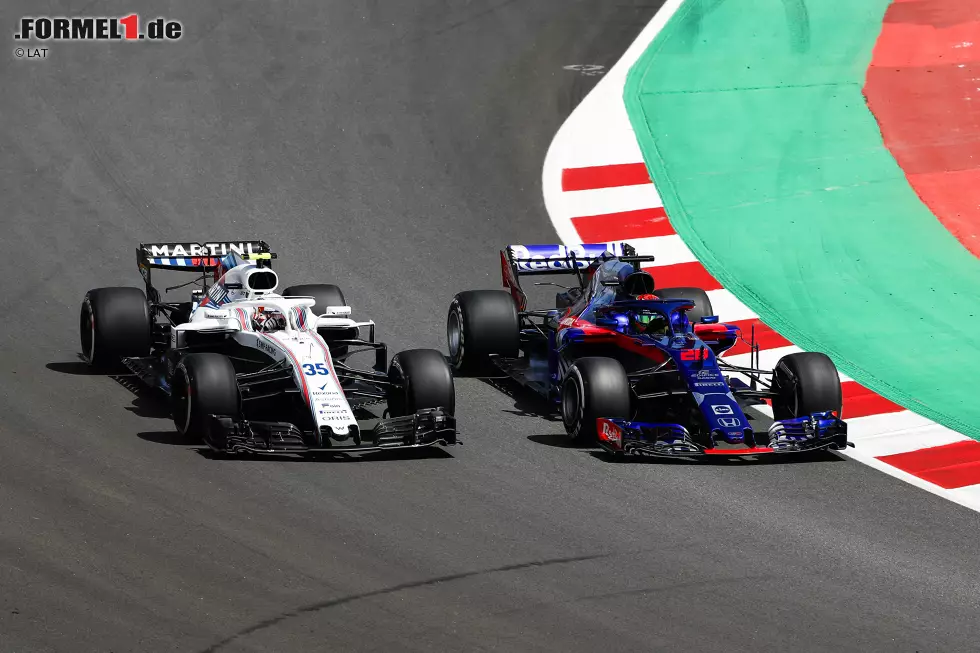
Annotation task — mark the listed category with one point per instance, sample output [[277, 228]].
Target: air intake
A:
[[261, 281]]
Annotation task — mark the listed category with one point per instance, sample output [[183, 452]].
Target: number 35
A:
[[312, 370]]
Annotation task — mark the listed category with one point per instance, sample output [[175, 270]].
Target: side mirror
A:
[[709, 319]]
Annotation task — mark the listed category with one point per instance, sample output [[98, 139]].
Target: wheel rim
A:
[[184, 401], [88, 334], [455, 333], [569, 404]]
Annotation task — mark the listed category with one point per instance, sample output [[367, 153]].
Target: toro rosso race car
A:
[[637, 368], [250, 370]]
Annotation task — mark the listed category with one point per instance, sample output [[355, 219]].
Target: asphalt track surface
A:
[[389, 147]]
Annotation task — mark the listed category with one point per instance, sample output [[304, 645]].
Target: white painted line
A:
[[728, 308], [968, 497], [580, 203], [891, 433], [668, 250]]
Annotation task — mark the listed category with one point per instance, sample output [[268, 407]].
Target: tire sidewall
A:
[[573, 416], [457, 353]]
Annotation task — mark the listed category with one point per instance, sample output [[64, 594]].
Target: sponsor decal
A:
[[552, 257], [710, 384], [180, 250], [722, 410], [729, 422], [266, 347], [706, 374], [611, 433], [219, 315], [97, 28]]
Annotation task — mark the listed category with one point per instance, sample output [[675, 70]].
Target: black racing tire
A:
[[482, 323], [593, 387], [806, 382], [114, 323], [422, 379], [204, 384], [702, 303], [325, 294]]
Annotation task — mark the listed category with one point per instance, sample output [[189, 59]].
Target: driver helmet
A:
[[650, 323], [268, 320]]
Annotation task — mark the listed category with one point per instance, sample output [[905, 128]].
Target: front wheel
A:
[[420, 379], [594, 387], [806, 383], [203, 385]]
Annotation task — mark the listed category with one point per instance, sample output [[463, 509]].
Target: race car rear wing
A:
[[519, 260], [562, 259], [198, 257]]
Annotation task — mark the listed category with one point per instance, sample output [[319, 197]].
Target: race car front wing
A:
[[811, 433], [425, 428]]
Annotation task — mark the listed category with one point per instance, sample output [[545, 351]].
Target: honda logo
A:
[[729, 422]]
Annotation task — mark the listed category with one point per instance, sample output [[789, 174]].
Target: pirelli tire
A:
[[325, 294], [593, 387], [806, 383], [702, 303], [204, 384], [482, 323], [420, 378], [114, 323]]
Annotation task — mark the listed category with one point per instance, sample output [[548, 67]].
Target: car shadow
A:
[[81, 368], [526, 402], [557, 440], [146, 402], [778, 460], [425, 453], [173, 438]]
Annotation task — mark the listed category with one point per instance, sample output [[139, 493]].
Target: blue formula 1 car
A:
[[635, 368]]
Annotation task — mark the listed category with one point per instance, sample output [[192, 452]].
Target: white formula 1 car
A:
[[250, 370]]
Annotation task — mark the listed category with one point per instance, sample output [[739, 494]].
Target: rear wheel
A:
[[325, 295], [203, 385], [482, 323], [806, 383], [422, 379], [702, 304], [594, 387], [114, 323]]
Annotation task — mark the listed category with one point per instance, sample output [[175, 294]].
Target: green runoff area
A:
[[752, 122]]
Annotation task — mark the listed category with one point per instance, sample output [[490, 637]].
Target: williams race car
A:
[[250, 370], [636, 368]]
